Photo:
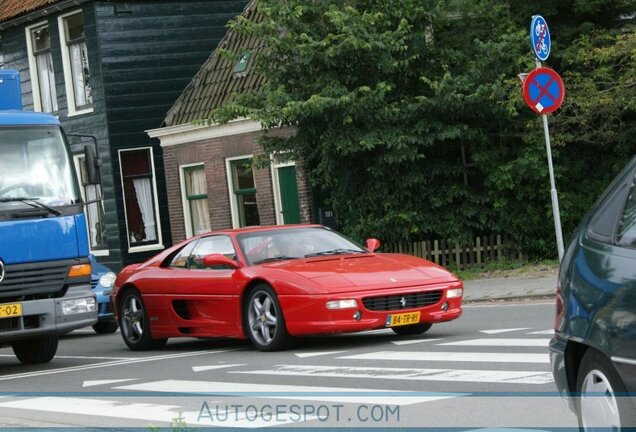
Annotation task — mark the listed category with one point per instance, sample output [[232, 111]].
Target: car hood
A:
[[337, 273]]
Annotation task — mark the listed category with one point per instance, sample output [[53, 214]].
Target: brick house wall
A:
[[213, 154]]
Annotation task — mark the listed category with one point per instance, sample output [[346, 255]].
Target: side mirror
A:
[[93, 164], [372, 244], [218, 260]]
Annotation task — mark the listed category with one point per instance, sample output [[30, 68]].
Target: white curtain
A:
[[48, 95], [79, 70], [199, 207], [144, 199]]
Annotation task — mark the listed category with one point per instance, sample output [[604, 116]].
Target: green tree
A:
[[409, 115]]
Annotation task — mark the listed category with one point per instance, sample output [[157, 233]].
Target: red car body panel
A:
[[209, 303]]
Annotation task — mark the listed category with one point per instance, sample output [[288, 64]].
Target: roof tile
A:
[[215, 83], [13, 8]]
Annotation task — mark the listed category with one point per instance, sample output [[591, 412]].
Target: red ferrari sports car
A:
[[270, 283]]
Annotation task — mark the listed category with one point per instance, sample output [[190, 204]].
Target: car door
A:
[[605, 275], [205, 299]]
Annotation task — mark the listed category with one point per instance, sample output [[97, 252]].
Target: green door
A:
[[289, 194]]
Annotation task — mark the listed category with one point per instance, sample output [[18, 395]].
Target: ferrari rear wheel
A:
[[265, 323], [134, 324], [413, 329]]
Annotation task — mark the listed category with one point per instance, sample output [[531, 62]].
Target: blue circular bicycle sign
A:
[[540, 37]]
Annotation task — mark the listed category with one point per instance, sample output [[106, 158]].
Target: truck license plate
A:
[[402, 319], [9, 310]]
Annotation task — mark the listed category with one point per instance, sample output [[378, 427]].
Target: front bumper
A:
[[104, 309], [308, 315], [44, 317]]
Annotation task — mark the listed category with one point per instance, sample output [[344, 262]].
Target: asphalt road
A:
[[490, 368]]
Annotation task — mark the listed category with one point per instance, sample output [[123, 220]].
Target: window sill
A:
[[101, 252], [80, 112], [145, 248]]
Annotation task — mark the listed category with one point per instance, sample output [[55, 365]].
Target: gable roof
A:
[[215, 83], [13, 8]]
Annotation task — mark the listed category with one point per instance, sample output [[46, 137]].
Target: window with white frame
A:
[[140, 199], [94, 211], [77, 76], [195, 198], [41, 68], [242, 192]]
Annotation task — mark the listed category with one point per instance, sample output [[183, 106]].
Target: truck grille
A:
[[34, 278], [396, 302]]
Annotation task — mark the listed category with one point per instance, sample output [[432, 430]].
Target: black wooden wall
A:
[[142, 54]]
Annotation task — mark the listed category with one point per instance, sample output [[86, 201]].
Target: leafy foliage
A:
[[409, 115]]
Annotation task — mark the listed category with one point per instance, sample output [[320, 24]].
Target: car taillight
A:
[[559, 307]]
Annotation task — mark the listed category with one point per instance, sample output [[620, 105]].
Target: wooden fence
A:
[[448, 254]]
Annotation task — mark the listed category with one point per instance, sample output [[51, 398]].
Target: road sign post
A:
[[543, 91]]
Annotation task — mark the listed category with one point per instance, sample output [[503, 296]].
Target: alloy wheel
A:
[[598, 404]]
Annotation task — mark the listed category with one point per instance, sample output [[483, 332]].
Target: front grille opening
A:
[[402, 301], [185, 330], [181, 308], [32, 322], [9, 324]]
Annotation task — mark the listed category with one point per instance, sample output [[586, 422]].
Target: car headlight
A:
[[81, 305], [342, 304], [108, 279], [455, 292]]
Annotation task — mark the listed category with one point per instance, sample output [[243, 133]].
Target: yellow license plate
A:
[[10, 310], [402, 319]]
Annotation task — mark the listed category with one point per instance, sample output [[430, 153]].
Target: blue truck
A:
[[45, 272]]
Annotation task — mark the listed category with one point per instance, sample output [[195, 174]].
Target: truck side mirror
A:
[[93, 165]]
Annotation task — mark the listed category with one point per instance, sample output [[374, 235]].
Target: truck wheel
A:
[[603, 400], [36, 350], [413, 329], [105, 327], [135, 327]]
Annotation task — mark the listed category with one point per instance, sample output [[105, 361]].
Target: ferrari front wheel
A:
[[264, 320], [413, 329], [134, 323]]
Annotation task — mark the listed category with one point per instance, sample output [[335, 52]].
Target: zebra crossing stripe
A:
[[471, 357], [454, 375], [276, 391], [100, 408], [501, 342], [145, 412], [498, 331]]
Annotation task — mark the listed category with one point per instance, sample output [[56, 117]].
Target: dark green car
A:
[[593, 352]]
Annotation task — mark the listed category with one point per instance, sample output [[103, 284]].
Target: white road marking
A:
[[104, 382], [501, 342], [82, 357], [452, 357], [543, 332], [457, 375], [497, 331], [112, 363], [311, 393], [207, 368], [413, 341], [102, 408], [216, 414], [317, 353]]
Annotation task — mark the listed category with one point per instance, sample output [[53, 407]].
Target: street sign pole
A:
[[540, 39], [553, 192]]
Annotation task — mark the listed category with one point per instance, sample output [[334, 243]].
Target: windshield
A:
[[35, 164], [280, 244]]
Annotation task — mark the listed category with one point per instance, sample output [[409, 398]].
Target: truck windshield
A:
[[35, 165]]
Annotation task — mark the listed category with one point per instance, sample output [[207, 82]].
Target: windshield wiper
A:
[[276, 258], [335, 252], [33, 202]]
